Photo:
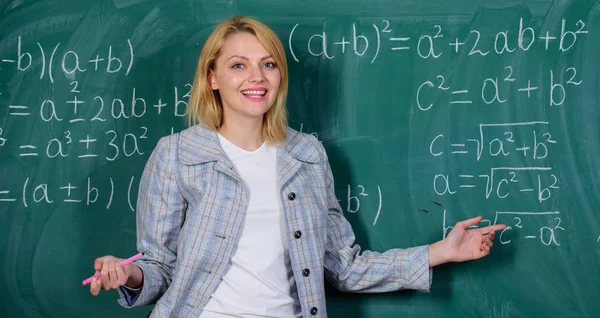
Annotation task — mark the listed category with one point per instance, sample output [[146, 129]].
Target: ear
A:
[[212, 80]]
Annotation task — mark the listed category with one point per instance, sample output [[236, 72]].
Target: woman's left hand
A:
[[463, 244]]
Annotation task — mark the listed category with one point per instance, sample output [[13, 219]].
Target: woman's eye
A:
[[237, 65], [270, 65]]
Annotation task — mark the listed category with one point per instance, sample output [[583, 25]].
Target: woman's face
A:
[[246, 76]]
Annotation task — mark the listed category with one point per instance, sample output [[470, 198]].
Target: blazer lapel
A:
[[290, 155], [199, 145]]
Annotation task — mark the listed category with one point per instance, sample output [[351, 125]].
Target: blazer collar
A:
[[198, 145]]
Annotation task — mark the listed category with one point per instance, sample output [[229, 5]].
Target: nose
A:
[[256, 75]]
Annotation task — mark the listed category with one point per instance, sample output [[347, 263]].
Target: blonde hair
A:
[[205, 105]]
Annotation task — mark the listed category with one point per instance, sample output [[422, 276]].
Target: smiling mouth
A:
[[254, 93]]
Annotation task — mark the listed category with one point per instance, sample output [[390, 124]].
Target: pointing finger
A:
[[492, 228], [469, 222]]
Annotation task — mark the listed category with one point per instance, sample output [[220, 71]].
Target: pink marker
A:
[[123, 263]]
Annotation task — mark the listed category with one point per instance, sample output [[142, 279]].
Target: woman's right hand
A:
[[112, 274]]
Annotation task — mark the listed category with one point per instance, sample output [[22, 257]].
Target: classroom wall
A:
[[431, 112]]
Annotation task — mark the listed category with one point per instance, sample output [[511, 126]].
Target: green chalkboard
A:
[[431, 112]]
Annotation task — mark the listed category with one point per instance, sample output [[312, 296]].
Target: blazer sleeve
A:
[[159, 217], [349, 270]]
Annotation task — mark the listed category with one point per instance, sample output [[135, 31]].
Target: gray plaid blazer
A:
[[190, 209]]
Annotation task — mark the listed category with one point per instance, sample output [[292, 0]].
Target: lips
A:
[[255, 94]]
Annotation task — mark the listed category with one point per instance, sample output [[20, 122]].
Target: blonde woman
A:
[[237, 215]]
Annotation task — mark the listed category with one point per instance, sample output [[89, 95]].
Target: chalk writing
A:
[[88, 194], [544, 226], [369, 41], [534, 146], [121, 108], [495, 90], [70, 62], [354, 199]]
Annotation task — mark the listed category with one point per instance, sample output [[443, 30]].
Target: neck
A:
[[246, 135]]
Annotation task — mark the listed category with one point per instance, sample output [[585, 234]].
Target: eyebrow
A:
[[245, 58]]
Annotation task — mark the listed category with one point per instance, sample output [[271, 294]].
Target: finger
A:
[[487, 239], [104, 277], [127, 270], [486, 249], [121, 279], [493, 228], [492, 235], [480, 252], [488, 242], [112, 275], [98, 285], [98, 264], [469, 222], [95, 286]]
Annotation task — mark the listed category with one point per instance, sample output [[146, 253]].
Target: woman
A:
[[237, 215]]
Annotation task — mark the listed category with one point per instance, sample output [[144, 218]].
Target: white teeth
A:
[[256, 93]]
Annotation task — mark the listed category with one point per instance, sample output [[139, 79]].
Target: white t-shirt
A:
[[260, 282]]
